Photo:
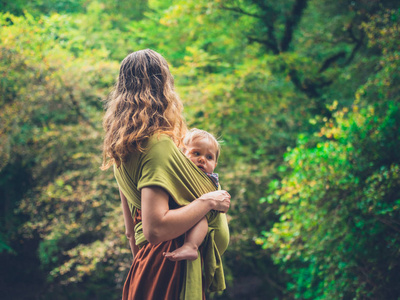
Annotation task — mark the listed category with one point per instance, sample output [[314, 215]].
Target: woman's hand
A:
[[162, 224], [220, 200]]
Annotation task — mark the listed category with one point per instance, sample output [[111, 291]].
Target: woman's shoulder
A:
[[161, 150], [160, 142], [158, 149]]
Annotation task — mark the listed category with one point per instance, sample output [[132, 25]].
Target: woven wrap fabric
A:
[[162, 164], [214, 178]]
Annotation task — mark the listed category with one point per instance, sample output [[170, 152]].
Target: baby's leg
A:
[[193, 239]]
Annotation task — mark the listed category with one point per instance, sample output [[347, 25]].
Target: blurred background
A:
[[304, 93]]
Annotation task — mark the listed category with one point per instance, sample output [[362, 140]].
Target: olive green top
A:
[[162, 164]]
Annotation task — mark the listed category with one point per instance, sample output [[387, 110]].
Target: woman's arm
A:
[[162, 224], [129, 226]]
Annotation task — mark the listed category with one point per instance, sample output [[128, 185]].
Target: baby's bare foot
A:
[[186, 252]]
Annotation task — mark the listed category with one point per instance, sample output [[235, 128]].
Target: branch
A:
[[310, 88], [353, 53], [272, 38], [263, 5], [241, 11], [351, 33], [271, 46], [300, 86], [359, 42], [267, 17], [291, 22], [331, 60], [342, 54]]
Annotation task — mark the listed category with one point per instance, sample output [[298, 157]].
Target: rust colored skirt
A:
[[152, 276]]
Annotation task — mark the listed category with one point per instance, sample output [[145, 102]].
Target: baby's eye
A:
[[196, 153], [209, 157]]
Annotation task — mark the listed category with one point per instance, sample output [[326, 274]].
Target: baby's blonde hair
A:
[[195, 134]]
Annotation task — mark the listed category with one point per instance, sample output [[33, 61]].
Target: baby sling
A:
[[162, 164]]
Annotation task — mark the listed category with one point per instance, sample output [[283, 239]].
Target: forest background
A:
[[304, 93]]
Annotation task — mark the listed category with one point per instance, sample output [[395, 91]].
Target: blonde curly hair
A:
[[143, 103]]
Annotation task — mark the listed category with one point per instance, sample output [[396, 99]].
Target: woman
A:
[[166, 193]]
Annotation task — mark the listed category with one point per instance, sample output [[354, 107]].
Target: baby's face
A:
[[203, 154]]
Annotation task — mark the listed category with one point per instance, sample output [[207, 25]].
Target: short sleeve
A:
[[155, 165], [161, 167]]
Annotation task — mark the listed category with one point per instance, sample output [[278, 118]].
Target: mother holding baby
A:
[[163, 193]]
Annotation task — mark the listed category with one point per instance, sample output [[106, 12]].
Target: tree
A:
[[345, 180]]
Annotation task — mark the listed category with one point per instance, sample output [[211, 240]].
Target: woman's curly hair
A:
[[143, 103]]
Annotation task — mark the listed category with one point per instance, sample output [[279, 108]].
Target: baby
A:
[[202, 148]]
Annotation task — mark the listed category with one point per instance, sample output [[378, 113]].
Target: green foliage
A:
[[345, 180], [51, 131]]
